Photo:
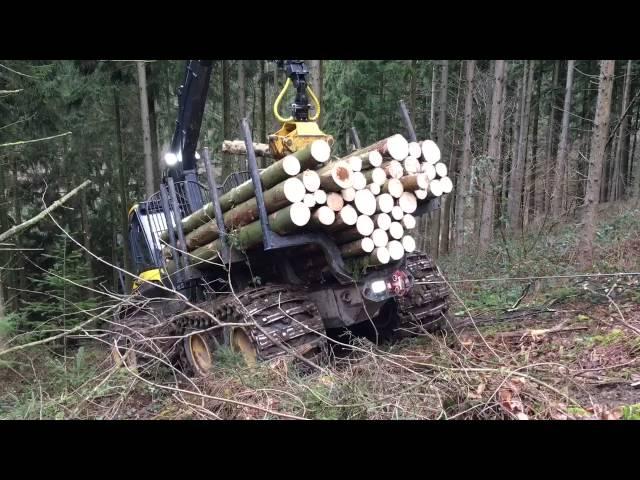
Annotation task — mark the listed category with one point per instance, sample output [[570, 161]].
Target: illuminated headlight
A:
[[197, 156], [170, 159], [378, 286]]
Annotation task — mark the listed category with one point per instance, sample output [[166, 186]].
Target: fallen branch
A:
[[32, 221], [23, 142]]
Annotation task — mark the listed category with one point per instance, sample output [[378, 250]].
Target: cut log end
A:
[[291, 165], [378, 176], [365, 202], [300, 214], [320, 196], [420, 194], [375, 159], [396, 250], [365, 225], [348, 194], [396, 231], [397, 147], [355, 163], [367, 245], [393, 187], [384, 202], [320, 151], [358, 180], [335, 201], [380, 256], [309, 200], [348, 215], [415, 150], [409, 221], [324, 216], [408, 243], [412, 164], [441, 169], [379, 237], [393, 169], [311, 180], [337, 178], [294, 190], [408, 202], [446, 184], [429, 170], [383, 221], [375, 188], [435, 188], [397, 213], [430, 151]]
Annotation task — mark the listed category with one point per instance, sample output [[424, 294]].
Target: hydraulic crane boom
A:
[[192, 97]]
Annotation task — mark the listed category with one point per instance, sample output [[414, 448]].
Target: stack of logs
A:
[[364, 201]]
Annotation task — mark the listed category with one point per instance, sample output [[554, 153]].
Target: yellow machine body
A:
[[294, 136], [149, 276]]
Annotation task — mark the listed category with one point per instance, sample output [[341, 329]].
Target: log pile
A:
[[365, 201]]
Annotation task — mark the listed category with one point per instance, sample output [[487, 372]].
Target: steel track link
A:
[[426, 305], [274, 314]]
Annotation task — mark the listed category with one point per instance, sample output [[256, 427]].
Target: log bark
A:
[[376, 175], [395, 146], [393, 187], [358, 247], [323, 217], [283, 222], [335, 176], [290, 191], [239, 147]]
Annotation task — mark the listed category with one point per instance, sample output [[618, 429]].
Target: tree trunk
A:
[[539, 164], [242, 90], [489, 180], [563, 146], [226, 116], [412, 92], [124, 195], [634, 160], [158, 164], [548, 184], [534, 173], [596, 158], [622, 149], [518, 169], [463, 192], [432, 110], [263, 107], [449, 199], [4, 226], [434, 222], [149, 186]]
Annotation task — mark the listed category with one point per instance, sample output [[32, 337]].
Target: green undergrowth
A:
[[544, 253]]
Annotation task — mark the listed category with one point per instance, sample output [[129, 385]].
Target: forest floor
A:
[[564, 346]]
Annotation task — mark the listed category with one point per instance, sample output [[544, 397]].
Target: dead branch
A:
[[32, 221], [24, 142]]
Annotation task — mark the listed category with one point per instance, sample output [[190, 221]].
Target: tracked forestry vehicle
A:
[[288, 294]]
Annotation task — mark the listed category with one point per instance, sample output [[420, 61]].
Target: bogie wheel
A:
[[240, 342], [197, 354]]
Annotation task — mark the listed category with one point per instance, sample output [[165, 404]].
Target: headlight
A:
[[170, 159], [198, 156], [378, 286]]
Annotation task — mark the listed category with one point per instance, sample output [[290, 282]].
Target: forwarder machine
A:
[[258, 303]]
